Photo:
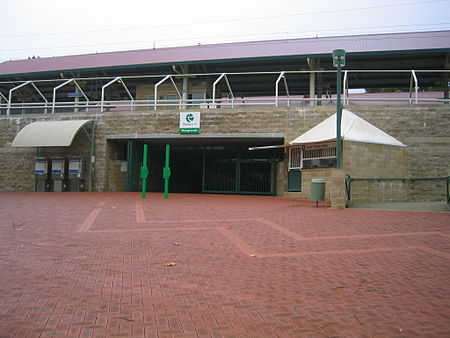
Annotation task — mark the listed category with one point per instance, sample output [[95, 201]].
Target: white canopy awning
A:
[[353, 128], [48, 133]]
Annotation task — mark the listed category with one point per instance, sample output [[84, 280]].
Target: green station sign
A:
[[189, 123]]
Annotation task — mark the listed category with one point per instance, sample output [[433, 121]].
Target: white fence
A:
[[82, 102]]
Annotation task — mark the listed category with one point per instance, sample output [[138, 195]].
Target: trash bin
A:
[[317, 190]]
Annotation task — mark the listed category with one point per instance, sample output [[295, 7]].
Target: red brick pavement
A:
[[94, 265]]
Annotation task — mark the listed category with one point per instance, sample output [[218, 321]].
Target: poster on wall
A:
[[189, 122]]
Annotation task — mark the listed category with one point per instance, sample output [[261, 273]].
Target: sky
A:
[[45, 28]]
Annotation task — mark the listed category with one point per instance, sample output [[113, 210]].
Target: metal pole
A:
[[214, 89], [338, 116], [277, 91], [91, 156], [144, 171], [166, 172]]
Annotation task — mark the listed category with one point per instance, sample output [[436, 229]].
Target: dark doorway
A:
[[235, 169], [223, 168]]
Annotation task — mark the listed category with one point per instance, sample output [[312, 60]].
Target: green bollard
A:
[[144, 171], [166, 172]]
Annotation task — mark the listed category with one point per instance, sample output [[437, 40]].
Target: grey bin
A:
[[317, 190]]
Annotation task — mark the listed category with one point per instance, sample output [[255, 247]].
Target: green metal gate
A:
[[132, 183], [229, 169], [233, 169]]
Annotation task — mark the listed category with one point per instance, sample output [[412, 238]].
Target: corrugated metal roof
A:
[[48, 133], [373, 43]]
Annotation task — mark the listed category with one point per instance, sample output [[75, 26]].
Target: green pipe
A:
[[338, 117], [399, 179], [166, 172], [91, 156], [144, 171]]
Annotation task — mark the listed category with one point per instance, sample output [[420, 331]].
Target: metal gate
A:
[[132, 180], [232, 169]]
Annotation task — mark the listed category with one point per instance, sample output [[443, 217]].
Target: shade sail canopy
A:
[[353, 128], [48, 133]]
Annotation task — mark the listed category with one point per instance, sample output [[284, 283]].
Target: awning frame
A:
[[82, 126]]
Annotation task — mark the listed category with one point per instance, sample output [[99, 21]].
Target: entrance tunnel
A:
[[204, 168]]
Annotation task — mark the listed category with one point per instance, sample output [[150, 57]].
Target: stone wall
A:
[[117, 177], [17, 164], [423, 128], [364, 160], [307, 176]]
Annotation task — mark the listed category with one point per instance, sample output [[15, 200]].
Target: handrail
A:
[[117, 79], [223, 75], [276, 100], [194, 104], [161, 82], [282, 76], [62, 85]]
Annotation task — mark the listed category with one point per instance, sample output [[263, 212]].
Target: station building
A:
[[232, 114]]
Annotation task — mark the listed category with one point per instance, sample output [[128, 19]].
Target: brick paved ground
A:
[[93, 264]]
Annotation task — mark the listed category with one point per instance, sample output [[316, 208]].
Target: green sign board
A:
[[189, 122]]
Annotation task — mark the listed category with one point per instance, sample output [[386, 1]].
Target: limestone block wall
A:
[[423, 128], [365, 160], [307, 176], [17, 164], [117, 177]]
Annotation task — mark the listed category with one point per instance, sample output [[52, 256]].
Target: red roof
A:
[[373, 43]]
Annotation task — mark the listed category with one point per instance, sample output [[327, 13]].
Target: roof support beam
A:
[[282, 76], [8, 110], [345, 99], [120, 80], [223, 75], [416, 87], [161, 82], [62, 85], [4, 97]]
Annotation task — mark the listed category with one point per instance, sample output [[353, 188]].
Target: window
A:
[[295, 157], [314, 151], [321, 155]]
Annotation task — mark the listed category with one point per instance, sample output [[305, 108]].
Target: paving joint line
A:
[[334, 252], [248, 249], [89, 221], [237, 241], [140, 217]]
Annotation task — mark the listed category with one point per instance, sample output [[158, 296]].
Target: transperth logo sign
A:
[[189, 123]]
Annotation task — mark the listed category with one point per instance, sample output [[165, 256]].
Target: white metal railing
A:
[[130, 105], [7, 106]]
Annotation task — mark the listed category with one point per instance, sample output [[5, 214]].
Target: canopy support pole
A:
[[229, 88], [91, 156], [8, 110]]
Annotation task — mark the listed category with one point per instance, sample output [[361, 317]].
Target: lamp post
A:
[[338, 62]]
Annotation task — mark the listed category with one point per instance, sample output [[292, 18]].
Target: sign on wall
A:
[[189, 122]]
